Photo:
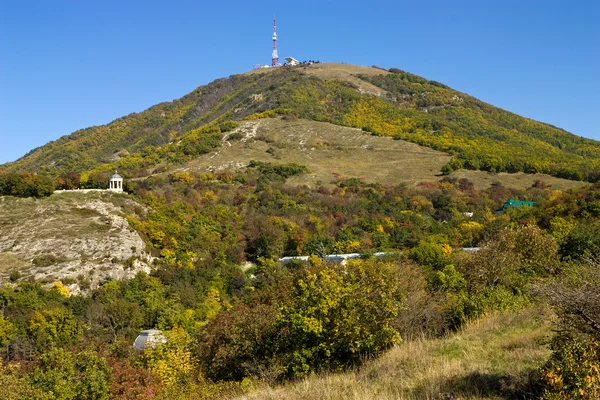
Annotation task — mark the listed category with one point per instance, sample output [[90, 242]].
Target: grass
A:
[[10, 262], [333, 152], [496, 357], [519, 180], [343, 72]]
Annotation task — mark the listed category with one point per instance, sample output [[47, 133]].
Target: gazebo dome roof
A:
[[149, 338], [116, 177]]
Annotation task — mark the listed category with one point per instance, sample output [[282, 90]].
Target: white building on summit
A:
[[116, 183]]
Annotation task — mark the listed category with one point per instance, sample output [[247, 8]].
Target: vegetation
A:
[[492, 358], [231, 330], [477, 135], [236, 320]]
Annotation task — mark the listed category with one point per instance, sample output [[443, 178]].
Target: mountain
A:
[[449, 297], [393, 103]]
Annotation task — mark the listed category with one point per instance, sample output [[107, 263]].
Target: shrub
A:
[[573, 371], [227, 126], [278, 171], [331, 317], [68, 375], [14, 276], [429, 255], [584, 241]]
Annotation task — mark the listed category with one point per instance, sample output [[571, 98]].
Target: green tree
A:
[[337, 315], [72, 376], [54, 326]]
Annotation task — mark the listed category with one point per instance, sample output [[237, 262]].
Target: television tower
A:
[[274, 55]]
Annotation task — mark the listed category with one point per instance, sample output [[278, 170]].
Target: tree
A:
[[13, 386], [573, 370], [337, 315], [72, 376], [55, 326], [131, 383], [241, 342], [324, 317], [512, 258], [172, 362]]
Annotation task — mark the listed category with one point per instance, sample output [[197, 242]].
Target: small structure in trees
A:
[[149, 338], [512, 203], [116, 183], [291, 61]]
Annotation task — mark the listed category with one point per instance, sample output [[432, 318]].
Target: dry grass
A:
[[493, 358], [520, 180], [330, 151], [342, 72], [333, 152]]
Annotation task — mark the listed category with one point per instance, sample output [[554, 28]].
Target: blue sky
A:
[[66, 65]]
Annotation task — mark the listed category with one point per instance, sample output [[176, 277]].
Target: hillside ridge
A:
[[392, 103]]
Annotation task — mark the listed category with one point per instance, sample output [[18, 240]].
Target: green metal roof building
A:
[[511, 203]]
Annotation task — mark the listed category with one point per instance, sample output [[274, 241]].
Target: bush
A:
[[429, 255], [14, 276], [278, 171], [331, 317], [76, 376], [584, 241], [573, 371]]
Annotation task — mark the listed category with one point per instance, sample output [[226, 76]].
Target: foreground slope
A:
[[492, 358], [393, 103]]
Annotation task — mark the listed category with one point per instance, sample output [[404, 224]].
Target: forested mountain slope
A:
[[394, 103]]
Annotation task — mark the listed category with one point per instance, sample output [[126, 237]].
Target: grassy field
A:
[[494, 358], [519, 180], [343, 72], [333, 152]]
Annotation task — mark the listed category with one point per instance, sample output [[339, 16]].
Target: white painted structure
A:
[[116, 183], [291, 61], [149, 338], [332, 258]]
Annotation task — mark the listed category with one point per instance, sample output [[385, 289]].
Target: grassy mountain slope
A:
[[333, 152], [397, 104]]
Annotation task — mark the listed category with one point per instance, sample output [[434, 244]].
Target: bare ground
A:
[[82, 237]]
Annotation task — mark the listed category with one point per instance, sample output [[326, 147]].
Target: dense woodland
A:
[[231, 329]]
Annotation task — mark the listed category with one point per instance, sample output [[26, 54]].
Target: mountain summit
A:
[[394, 103]]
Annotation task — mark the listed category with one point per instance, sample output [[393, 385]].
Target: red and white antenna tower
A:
[[274, 55]]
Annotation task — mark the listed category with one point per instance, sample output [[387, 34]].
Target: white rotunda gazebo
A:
[[116, 183]]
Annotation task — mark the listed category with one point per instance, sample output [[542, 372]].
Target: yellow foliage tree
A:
[[172, 362], [61, 289]]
